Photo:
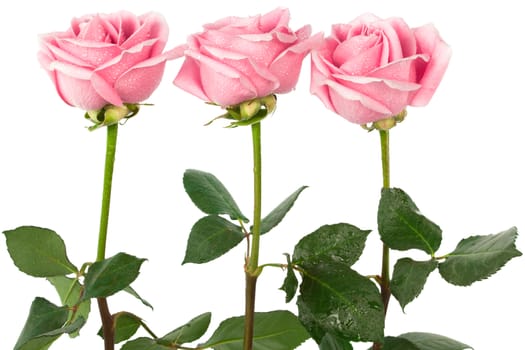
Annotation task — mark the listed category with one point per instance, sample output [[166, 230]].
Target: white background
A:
[[460, 158]]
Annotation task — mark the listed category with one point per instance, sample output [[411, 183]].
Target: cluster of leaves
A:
[[40, 252], [336, 304]]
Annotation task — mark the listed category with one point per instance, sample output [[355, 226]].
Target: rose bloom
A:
[[238, 59], [107, 58], [371, 69]]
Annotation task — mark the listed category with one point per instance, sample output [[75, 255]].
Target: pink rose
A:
[[371, 69], [239, 59], [107, 58]]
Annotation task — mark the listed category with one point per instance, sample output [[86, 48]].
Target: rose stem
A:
[[385, 268], [105, 315], [251, 268]]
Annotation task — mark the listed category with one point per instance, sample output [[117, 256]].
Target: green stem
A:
[[111, 145], [252, 263], [105, 315], [385, 265]]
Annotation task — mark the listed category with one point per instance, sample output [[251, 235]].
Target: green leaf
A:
[[332, 342], [38, 252], [401, 225], [70, 292], [392, 343], [132, 291], [44, 325], [189, 332], [335, 299], [211, 237], [106, 277], [275, 330], [429, 341], [210, 195], [340, 243], [144, 344], [274, 218], [478, 257], [126, 325], [290, 283], [409, 278]]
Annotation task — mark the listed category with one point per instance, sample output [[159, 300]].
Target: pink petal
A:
[[261, 77], [61, 55], [318, 78], [78, 92], [105, 90], [154, 26], [405, 36], [93, 53], [355, 106], [358, 61], [188, 79], [92, 30], [391, 95], [262, 52], [430, 75], [274, 19], [138, 83], [287, 65], [403, 70], [113, 69]]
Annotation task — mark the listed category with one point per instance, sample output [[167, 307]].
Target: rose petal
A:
[[93, 53], [403, 70], [111, 70], [280, 17], [138, 83], [105, 90], [78, 92], [405, 35], [430, 75], [355, 106], [222, 84], [153, 26], [261, 77], [188, 79], [92, 30], [262, 49], [287, 65]]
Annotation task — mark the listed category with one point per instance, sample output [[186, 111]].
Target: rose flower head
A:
[[235, 59], [107, 59], [371, 68]]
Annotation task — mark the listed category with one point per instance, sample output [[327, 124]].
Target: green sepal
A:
[[211, 237], [409, 278], [275, 330], [401, 225], [210, 195], [337, 300], [191, 331], [38, 252], [106, 277], [290, 283], [478, 257], [275, 216]]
